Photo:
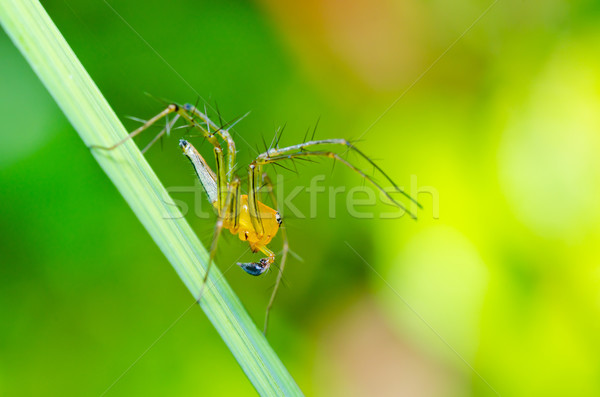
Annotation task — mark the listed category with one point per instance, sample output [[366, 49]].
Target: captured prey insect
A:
[[245, 215]]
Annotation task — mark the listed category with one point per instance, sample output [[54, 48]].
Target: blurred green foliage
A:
[[504, 127]]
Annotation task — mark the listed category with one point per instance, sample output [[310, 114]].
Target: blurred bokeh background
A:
[[498, 295]]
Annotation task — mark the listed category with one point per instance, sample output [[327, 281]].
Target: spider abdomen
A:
[[245, 229]]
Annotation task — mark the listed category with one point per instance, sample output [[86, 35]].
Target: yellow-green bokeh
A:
[[495, 288]]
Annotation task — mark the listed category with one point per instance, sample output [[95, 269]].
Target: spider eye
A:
[[255, 268]]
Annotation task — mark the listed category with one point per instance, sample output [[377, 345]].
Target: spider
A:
[[245, 215]]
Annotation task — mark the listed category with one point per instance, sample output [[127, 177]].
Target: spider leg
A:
[[289, 155], [255, 218], [170, 109], [301, 147], [223, 132], [284, 253], [227, 213], [181, 112], [166, 130]]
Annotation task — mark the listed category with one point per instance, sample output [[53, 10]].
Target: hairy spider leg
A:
[[276, 154], [188, 113], [223, 133], [226, 213], [284, 252], [170, 109], [166, 130]]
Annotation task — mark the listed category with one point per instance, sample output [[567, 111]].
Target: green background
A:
[[498, 293]]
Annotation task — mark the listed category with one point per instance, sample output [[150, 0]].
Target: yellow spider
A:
[[244, 215]]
